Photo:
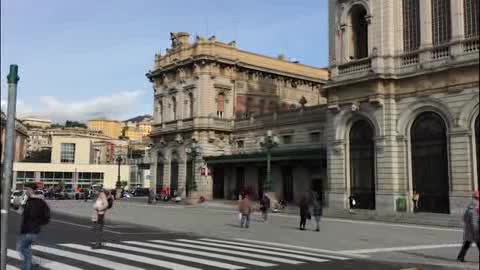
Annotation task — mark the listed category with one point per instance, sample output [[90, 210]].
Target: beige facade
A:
[[203, 89], [111, 128], [72, 175], [37, 122], [81, 147], [21, 137], [414, 90]]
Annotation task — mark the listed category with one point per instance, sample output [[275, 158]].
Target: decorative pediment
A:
[[224, 87]]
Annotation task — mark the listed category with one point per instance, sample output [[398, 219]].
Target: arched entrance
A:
[[477, 140], [430, 163], [174, 174], [362, 162]]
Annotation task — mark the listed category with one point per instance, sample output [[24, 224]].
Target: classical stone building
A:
[[398, 114], [403, 103], [206, 94]]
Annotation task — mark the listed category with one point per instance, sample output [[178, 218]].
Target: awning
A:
[[285, 155]]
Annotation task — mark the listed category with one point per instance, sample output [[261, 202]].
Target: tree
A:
[[42, 156], [124, 184], [69, 123]]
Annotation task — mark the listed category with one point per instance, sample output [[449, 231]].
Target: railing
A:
[[470, 46], [355, 66], [440, 52], [410, 59]]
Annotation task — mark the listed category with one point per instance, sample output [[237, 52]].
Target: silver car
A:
[[18, 198]]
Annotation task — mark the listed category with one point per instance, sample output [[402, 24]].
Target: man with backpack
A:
[[36, 214]]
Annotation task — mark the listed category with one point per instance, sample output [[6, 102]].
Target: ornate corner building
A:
[[396, 114]]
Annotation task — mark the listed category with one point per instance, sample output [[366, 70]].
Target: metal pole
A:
[[9, 156], [268, 180]]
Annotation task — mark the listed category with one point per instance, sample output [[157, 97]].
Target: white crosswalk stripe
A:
[[282, 254], [205, 254], [234, 252], [85, 258], [278, 249], [176, 256], [42, 261], [128, 256]]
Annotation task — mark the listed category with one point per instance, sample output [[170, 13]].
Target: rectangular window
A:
[[315, 137], [411, 25], [441, 21], [68, 175], [240, 144], [470, 11], [287, 139], [67, 153]]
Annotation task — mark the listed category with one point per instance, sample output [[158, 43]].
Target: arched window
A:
[[441, 21], [174, 109], [411, 25], [477, 140], [470, 11], [429, 163], [362, 161], [220, 105], [359, 34], [261, 106]]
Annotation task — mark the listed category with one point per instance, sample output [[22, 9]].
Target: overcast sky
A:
[[88, 58]]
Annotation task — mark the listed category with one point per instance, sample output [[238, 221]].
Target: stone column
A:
[[461, 181], [153, 170], [336, 195], [182, 177], [458, 24], [426, 23]]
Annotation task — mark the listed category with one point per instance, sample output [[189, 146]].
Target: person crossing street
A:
[[471, 227]]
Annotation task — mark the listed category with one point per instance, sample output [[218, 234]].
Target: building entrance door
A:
[[287, 181], [218, 183]]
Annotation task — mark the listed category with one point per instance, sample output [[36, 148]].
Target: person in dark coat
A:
[[265, 207], [304, 212], [36, 214], [471, 227], [317, 209]]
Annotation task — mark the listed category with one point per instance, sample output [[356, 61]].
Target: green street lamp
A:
[[268, 142], [194, 151]]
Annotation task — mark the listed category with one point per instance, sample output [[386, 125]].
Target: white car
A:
[[18, 198]]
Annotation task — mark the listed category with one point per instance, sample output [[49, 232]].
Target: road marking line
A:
[[277, 249], [42, 261], [85, 258], [81, 225], [11, 267], [176, 256], [206, 254], [302, 248], [283, 254], [240, 253], [375, 250], [131, 257]]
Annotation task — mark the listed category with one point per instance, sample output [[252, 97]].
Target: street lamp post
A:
[[118, 185], [194, 151], [268, 142]]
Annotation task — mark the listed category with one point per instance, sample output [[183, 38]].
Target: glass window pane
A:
[[58, 175], [68, 175]]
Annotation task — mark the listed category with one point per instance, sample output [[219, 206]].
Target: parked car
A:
[[69, 194], [60, 195], [18, 198], [80, 194], [141, 192]]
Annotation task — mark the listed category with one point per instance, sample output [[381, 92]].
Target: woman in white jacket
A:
[[100, 208]]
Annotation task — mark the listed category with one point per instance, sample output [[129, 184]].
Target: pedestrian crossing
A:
[[176, 254]]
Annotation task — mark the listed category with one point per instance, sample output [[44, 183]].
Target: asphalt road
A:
[[65, 244]]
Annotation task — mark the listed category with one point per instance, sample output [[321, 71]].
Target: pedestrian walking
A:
[[317, 209], [151, 196], [36, 214], [471, 227], [416, 201], [264, 207], [304, 212], [245, 209], [100, 207]]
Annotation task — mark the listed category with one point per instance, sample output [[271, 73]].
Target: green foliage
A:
[[69, 123]]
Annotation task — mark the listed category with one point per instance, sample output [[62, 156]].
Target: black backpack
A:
[[110, 202], [45, 218]]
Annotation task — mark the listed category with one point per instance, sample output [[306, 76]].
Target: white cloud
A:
[[116, 106]]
